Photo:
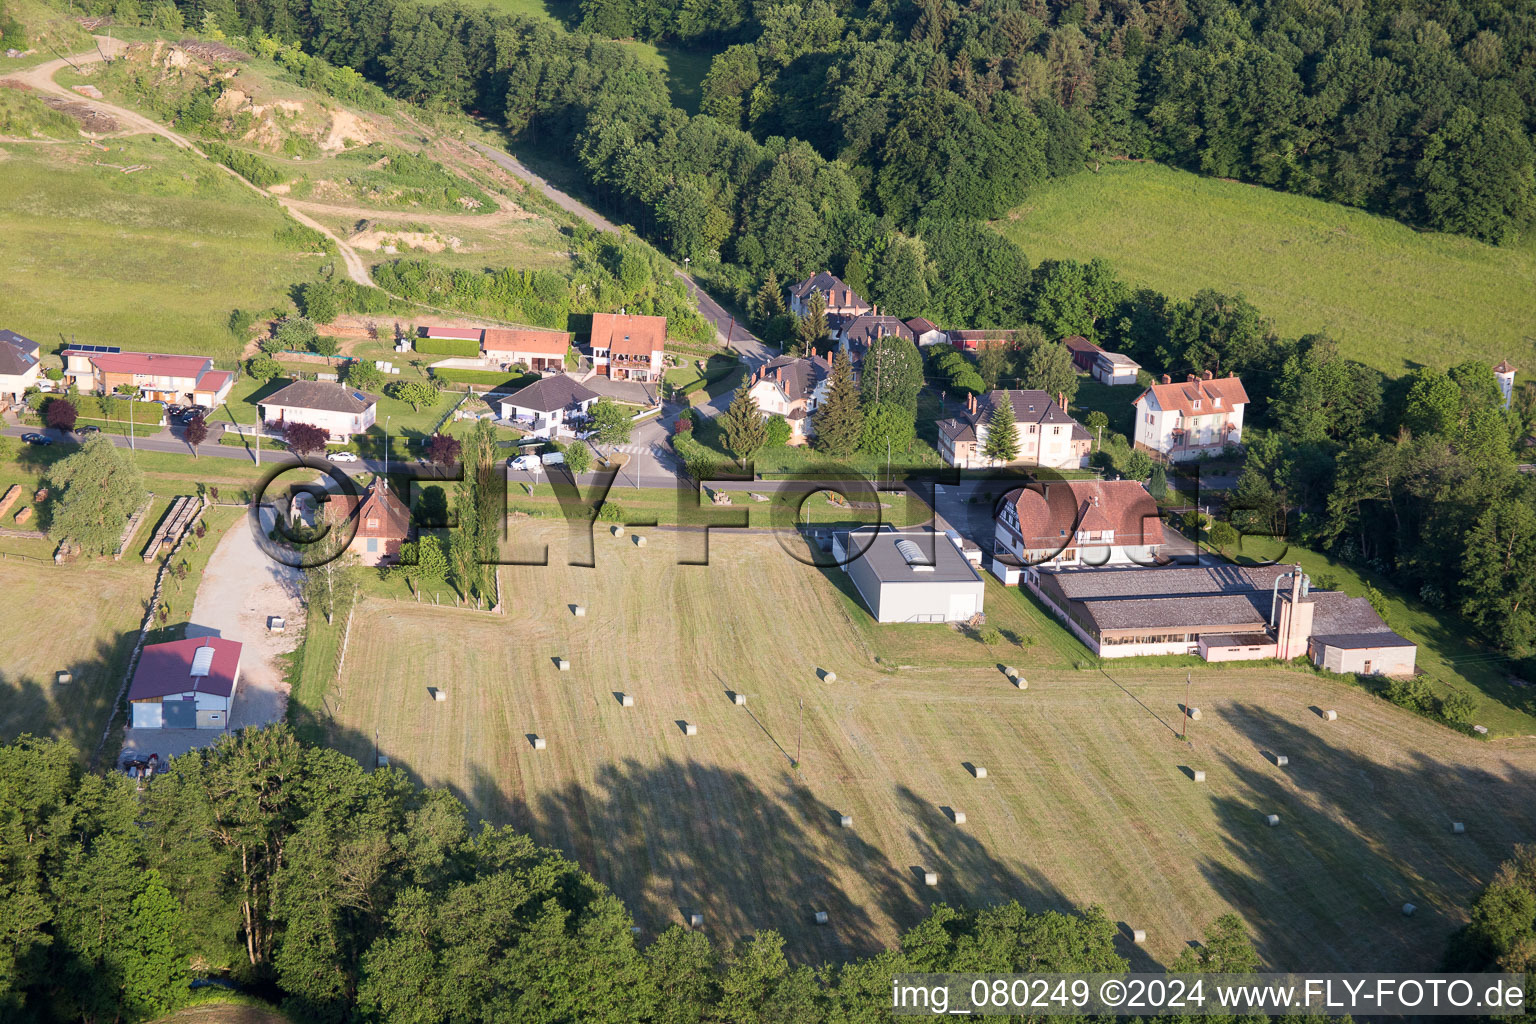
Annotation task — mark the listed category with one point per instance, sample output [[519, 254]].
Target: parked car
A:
[[524, 463], [553, 458], [36, 439], [87, 430], [344, 456]]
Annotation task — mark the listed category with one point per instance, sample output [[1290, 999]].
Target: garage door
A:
[[146, 715], [179, 714]]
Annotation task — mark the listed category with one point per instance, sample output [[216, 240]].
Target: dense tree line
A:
[[354, 895]]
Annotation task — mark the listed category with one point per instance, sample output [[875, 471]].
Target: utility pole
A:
[[1185, 734]]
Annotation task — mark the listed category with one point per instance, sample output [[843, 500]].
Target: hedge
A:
[[248, 165], [448, 347], [493, 378]]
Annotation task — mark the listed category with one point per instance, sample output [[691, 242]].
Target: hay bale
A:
[[930, 878], [689, 729], [579, 610], [1408, 909], [821, 917], [63, 678], [639, 541], [538, 743], [618, 531], [563, 664], [846, 821], [1010, 672], [980, 772], [828, 676], [1330, 715], [1021, 683], [627, 700], [1199, 775], [1194, 714], [695, 920], [1138, 935], [739, 699], [1457, 828], [958, 817], [24, 514], [1272, 820], [439, 695], [1281, 760], [383, 760]]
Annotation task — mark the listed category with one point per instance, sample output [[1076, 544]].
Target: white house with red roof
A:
[[185, 684], [1065, 523], [177, 380], [792, 388], [626, 346], [1182, 421], [19, 364], [541, 351]]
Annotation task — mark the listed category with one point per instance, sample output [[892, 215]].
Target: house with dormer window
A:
[[1204, 414], [1068, 523], [1047, 436]]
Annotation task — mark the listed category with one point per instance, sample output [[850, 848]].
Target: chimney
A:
[[1061, 400], [1167, 379], [1207, 375], [1190, 378]]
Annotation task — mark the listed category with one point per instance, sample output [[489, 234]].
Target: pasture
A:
[[1088, 796], [1393, 297], [83, 618]]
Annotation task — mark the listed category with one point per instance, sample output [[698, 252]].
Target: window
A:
[[1055, 430], [1367, 670], [1216, 401], [373, 545], [1149, 417], [373, 524], [1197, 403]]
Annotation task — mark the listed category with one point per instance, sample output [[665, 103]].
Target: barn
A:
[[910, 575], [185, 684]]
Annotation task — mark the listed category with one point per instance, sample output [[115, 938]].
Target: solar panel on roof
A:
[[359, 397], [98, 349]]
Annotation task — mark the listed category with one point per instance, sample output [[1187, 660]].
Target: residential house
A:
[[972, 341], [909, 575], [858, 334], [339, 410], [1223, 613], [175, 380], [842, 301], [383, 523], [549, 407], [185, 684], [629, 347], [1182, 421], [925, 332], [1047, 436], [1115, 369], [792, 388], [541, 351], [1075, 522], [1083, 352], [19, 365]]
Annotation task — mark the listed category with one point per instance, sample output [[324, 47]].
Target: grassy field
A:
[[1086, 801], [152, 260], [1394, 298], [84, 618]]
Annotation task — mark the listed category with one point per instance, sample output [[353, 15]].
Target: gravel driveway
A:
[[241, 587]]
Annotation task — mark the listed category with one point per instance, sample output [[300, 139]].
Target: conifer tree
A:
[[1002, 433], [745, 431], [839, 420]]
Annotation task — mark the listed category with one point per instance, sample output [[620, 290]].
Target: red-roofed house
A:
[[178, 380], [537, 350], [383, 522], [1065, 523], [1182, 421], [629, 347], [1083, 351], [185, 684]]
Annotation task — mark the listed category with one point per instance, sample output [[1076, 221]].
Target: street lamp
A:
[[386, 445]]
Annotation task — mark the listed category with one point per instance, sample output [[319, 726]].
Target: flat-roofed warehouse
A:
[[910, 575], [1224, 613]]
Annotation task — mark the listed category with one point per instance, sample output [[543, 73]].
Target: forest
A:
[[346, 895]]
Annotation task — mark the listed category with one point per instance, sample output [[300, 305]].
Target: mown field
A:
[[153, 260], [1087, 797], [1394, 297]]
